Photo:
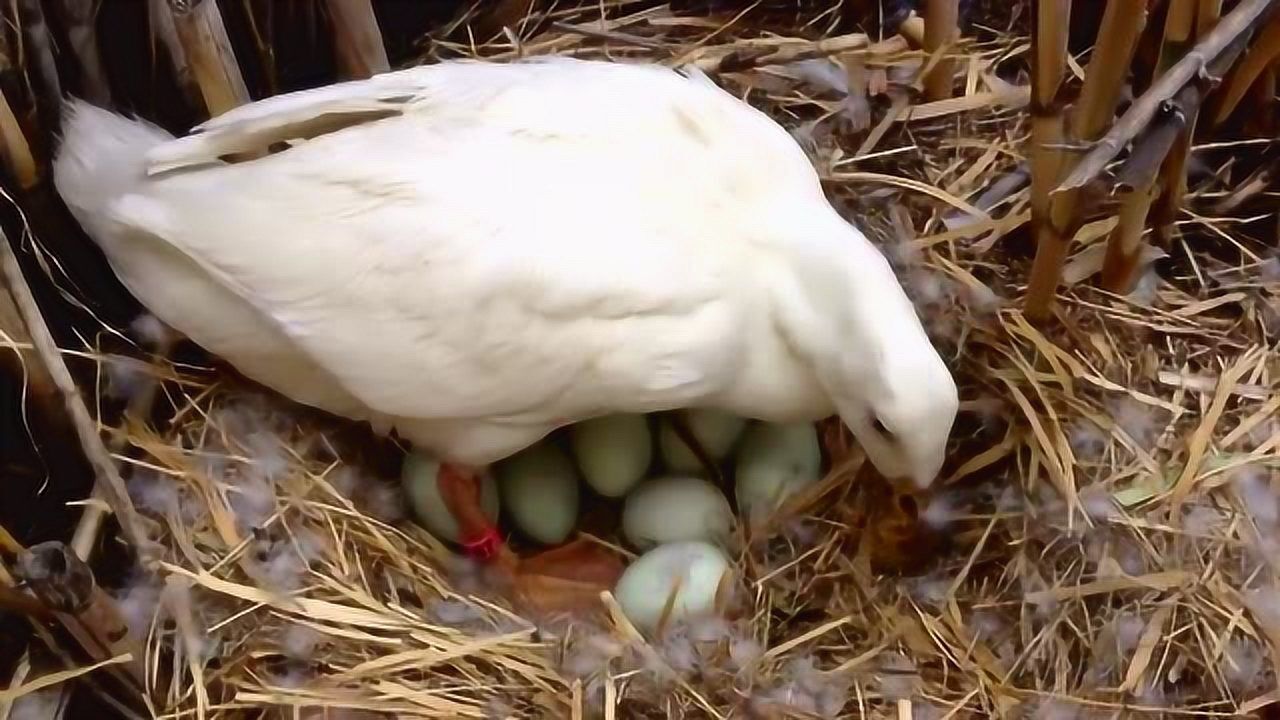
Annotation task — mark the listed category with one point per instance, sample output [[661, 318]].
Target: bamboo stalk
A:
[[1144, 69], [358, 40], [1207, 15], [1264, 96], [40, 387], [1150, 150], [1139, 175], [1173, 176], [1049, 36], [80, 18], [86, 636], [204, 38], [95, 621], [165, 29], [1122, 24], [1232, 28], [1119, 272], [941, 30], [1179, 31], [48, 379], [912, 29], [64, 583], [98, 631], [262, 44], [1124, 244], [1124, 249], [39, 47], [1261, 55], [17, 151]]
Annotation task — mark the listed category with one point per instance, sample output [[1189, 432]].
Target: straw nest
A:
[[1108, 518]]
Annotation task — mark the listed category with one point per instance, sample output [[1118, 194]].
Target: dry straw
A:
[[1103, 543]]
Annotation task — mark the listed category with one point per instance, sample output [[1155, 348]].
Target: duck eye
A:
[[880, 429]]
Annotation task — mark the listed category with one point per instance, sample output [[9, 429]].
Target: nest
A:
[[1109, 520]]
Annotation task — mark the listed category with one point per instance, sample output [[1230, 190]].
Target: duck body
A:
[[476, 254]]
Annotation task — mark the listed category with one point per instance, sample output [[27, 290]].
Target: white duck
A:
[[475, 254]]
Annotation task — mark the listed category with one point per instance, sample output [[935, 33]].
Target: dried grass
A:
[[1109, 543]]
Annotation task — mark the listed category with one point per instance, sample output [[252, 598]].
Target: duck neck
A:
[[837, 309]]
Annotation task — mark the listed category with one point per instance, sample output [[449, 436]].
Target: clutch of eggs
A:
[[678, 519]]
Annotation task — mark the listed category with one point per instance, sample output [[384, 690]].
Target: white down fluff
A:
[[476, 254]]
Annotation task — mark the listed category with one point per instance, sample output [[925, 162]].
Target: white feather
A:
[[744, 651], [1243, 665], [822, 73], [153, 492], [138, 603], [1098, 504], [454, 613], [931, 590], [299, 642], [1088, 441], [44, 704], [268, 459], [1203, 521], [1138, 420], [898, 677], [126, 378], [1270, 269], [383, 501], [150, 331], [1257, 497], [252, 501], [277, 567]]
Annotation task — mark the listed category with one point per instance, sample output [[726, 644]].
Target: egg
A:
[[613, 452], [418, 477], [772, 462], [716, 430], [693, 570], [539, 489], [673, 509]]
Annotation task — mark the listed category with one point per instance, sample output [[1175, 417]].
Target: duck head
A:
[[848, 313]]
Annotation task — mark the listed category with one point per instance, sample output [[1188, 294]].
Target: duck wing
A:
[[531, 243]]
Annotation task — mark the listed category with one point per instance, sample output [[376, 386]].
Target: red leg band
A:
[[483, 547]]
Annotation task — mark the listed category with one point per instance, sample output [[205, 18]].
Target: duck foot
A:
[[460, 489], [567, 578]]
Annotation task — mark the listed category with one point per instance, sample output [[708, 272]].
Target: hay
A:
[[1108, 520]]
